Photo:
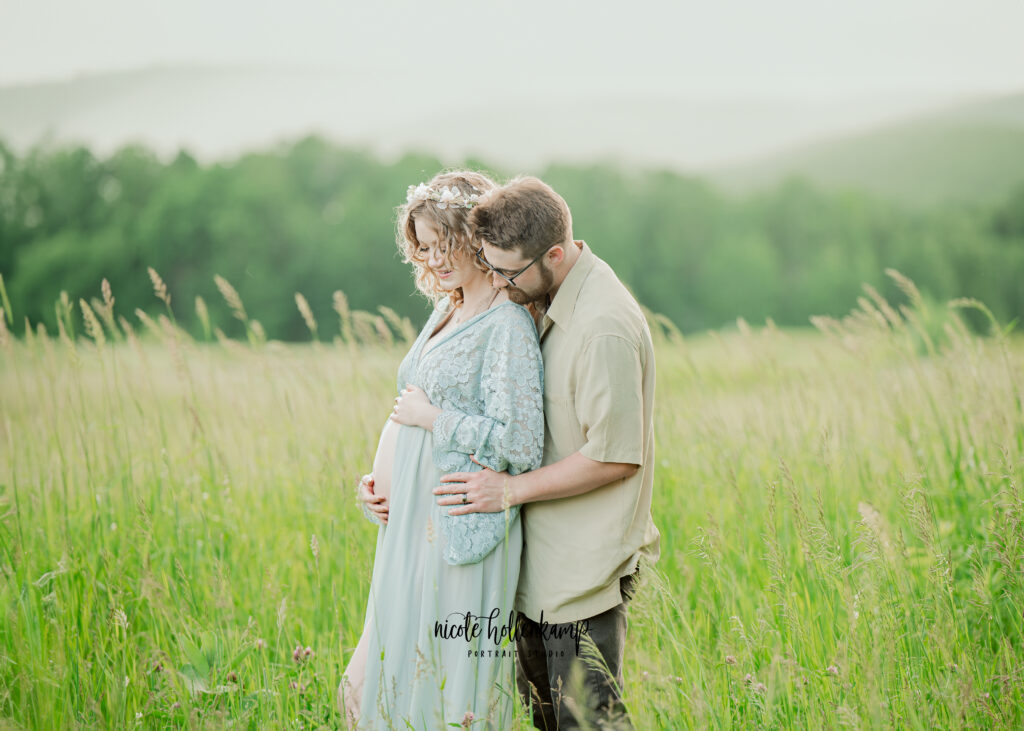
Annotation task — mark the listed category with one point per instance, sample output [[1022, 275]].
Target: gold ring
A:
[[465, 498]]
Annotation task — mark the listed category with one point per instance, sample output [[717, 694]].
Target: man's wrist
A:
[[514, 488]]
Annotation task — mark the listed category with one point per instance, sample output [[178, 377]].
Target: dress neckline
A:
[[424, 352]]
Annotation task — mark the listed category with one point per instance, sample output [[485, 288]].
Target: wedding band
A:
[[465, 497]]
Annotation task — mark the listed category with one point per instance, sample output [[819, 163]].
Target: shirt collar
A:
[[564, 303]]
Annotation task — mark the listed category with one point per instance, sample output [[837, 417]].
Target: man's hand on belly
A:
[[485, 491]]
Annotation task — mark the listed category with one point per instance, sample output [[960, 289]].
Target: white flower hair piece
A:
[[444, 197]]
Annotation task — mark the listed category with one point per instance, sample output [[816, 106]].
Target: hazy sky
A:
[[809, 48]]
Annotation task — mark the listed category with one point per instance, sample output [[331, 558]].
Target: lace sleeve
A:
[[509, 435]]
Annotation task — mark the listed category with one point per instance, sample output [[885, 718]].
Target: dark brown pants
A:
[[567, 691]]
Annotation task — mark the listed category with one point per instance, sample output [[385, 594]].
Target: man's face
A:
[[531, 285]]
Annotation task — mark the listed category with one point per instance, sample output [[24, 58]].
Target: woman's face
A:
[[451, 275]]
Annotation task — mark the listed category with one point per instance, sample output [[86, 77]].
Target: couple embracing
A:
[[513, 478]]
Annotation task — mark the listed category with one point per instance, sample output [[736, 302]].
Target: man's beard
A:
[[525, 297]]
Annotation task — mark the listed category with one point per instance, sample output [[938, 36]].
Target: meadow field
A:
[[841, 513]]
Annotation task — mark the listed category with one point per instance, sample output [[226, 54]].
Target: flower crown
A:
[[444, 197]]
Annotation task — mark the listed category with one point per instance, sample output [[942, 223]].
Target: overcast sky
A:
[[805, 48]]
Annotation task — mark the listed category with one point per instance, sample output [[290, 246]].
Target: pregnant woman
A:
[[435, 648]]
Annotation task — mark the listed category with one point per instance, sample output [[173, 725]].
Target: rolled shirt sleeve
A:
[[609, 400]]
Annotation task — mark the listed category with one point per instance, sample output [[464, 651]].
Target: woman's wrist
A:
[[430, 417]]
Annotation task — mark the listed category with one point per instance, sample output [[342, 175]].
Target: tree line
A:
[[312, 217]]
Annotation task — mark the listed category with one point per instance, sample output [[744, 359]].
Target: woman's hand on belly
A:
[[376, 504], [413, 408]]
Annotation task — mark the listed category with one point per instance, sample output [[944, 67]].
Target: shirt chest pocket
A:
[[562, 432]]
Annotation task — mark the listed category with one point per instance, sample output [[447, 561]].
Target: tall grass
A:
[[840, 508]]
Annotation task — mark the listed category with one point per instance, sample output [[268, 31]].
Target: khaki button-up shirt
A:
[[599, 401]]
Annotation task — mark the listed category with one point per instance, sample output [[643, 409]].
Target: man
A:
[[587, 511]]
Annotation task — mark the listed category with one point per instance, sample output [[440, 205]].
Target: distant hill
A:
[[219, 112], [967, 152]]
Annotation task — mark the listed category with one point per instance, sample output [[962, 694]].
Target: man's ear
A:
[[556, 254]]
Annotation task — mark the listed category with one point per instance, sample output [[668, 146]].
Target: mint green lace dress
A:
[[438, 614]]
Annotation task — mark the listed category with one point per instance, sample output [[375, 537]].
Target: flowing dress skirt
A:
[[428, 663]]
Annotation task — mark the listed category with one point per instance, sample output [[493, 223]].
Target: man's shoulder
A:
[[607, 307]]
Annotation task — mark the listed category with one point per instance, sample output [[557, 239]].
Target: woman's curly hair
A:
[[452, 224]]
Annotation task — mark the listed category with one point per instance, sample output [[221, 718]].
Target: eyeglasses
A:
[[510, 278]]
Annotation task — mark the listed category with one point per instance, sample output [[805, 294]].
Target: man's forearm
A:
[[573, 475]]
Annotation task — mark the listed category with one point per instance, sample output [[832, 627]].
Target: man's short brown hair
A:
[[524, 214]]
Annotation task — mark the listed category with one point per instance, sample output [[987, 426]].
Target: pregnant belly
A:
[[384, 460]]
